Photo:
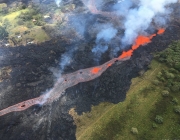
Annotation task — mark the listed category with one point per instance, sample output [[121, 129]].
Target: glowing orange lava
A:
[[95, 70], [161, 31], [126, 54], [141, 40], [75, 78], [153, 35], [110, 64]]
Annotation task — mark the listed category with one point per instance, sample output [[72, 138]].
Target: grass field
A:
[[11, 17], [36, 33], [143, 102]]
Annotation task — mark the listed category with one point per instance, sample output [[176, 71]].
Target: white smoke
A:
[[137, 17], [137, 20], [58, 2], [66, 59], [102, 40], [99, 49], [106, 34]]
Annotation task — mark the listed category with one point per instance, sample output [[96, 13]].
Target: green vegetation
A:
[[22, 25], [22, 22], [177, 109], [11, 17], [159, 119], [3, 33], [31, 14], [3, 8], [151, 109]]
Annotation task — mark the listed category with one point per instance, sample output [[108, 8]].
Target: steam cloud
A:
[[58, 2], [136, 16], [102, 40], [138, 19], [106, 34]]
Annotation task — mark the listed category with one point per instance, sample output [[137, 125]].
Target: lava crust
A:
[[30, 77]]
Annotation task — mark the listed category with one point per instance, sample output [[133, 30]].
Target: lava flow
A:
[[95, 70], [84, 75], [141, 40], [161, 31]]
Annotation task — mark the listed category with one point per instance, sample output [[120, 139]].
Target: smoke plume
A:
[[58, 2], [138, 19], [135, 17], [106, 34], [102, 40]]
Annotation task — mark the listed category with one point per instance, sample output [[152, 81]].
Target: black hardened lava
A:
[[30, 77]]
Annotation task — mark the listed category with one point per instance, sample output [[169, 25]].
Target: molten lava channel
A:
[[95, 70], [71, 79]]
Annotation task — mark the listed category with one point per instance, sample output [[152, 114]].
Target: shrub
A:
[[4, 10], [134, 130], [175, 87], [17, 33], [141, 72], [175, 100], [26, 32], [1, 19], [20, 22], [154, 125], [177, 109], [177, 66], [173, 70], [6, 23], [159, 119], [166, 88], [23, 6], [156, 82], [149, 67], [39, 23], [38, 17], [162, 79], [169, 75], [165, 93], [29, 25], [3, 33]]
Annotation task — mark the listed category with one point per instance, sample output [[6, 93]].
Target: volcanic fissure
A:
[[77, 77]]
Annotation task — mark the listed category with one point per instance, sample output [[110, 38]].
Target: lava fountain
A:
[[84, 75]]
